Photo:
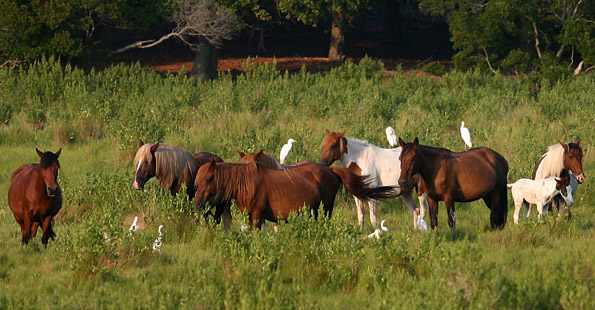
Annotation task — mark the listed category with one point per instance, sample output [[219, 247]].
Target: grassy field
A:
[[98, 118]]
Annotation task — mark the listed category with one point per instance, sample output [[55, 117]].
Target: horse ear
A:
[[40, 153], [576, 141], [58, 153], [213, 162], [242, 154], [416, 142], [259, 153], [154, 147], [564, 145], [342, 133], [140, 143], [401, 142], [326, 131]]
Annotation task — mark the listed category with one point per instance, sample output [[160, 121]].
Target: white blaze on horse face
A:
[[568, 198], [135, 183]]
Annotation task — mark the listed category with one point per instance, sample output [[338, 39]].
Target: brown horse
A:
[[461, 177], [34, 196], [222, 209], [558, 157], [273, 194], [171, 166]]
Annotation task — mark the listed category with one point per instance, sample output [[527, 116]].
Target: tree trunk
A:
[[205, 63], [337, 38]]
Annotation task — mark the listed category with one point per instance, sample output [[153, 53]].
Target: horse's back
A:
[[22, 170], [205, 157]]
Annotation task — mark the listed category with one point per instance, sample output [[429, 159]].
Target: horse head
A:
[[250, 157], [206, 186], [334, 145], [145, 163], [563, 186], [409, 162], [49, 170], [573, 159]]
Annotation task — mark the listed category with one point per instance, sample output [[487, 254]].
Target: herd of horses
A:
[[268, 190]]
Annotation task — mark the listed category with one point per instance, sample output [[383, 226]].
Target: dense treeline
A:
[[509, 36]]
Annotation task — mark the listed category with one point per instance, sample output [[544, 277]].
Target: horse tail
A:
[[362, 186]]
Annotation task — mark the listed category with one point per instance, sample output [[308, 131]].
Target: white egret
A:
[[134, 227], [382, 225], [391, 136], [466, 135], [285, 150], [158, 242]]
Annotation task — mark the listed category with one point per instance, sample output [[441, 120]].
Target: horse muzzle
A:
[[51, 192], [580, 178], [138, 185], [403, 183], [199, 204]]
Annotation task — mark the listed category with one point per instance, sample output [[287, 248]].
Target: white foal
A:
[[539, 192]]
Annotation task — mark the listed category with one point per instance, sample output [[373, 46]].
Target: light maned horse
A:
[[540, 192], [558, 157], [382, 165], [461, 177], [171, 166], [272, 194], [35, 197]]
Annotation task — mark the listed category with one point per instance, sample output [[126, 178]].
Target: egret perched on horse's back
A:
[[391, 136], [285, 150], [466, 135]]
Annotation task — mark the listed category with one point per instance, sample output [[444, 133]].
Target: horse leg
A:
[[34, 228], [373, 217], [47, 230], [423, 208], [499, 206], [359, 205], [25, 230], [226, 216], [410, 203], [433, 212], [450, 211], [540, 210]]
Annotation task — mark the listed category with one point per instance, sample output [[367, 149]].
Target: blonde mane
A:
[[552, 162], [172, 164]]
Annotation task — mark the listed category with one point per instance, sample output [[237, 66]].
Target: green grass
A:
[[98, 118]]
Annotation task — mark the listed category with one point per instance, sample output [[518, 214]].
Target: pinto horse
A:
[[35, 197], [383, 167], [558, 157], [272, 194], [461, 177]]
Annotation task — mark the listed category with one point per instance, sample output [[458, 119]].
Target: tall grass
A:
[[98, 117]]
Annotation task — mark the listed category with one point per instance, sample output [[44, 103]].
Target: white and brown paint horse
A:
[[558, 157], [540, 192], [382, 165]]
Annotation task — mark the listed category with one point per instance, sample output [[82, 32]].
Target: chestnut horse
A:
[[381, 164], [461, 177], [34, 196], [222, 209], [558, 157], [273, 194]]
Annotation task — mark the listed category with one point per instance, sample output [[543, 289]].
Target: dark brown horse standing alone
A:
[[461, 177], [34, 196]]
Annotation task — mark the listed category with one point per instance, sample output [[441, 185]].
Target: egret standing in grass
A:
[[158, 242], [391, 136], [466, 135], [134, 227], [285, 150]]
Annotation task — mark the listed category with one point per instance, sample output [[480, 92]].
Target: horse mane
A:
[[48, 159], [551, 163], [236, 181], [263, 159], [170, 163]]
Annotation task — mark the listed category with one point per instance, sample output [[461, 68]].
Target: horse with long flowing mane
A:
[[272, 194], [383, 167], [171, 166], [461, 177], [558, 157], [35, 197]]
